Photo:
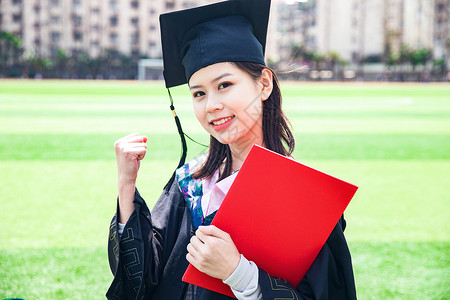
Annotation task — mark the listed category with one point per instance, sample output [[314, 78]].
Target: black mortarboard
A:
[[229, 31], [233, 30]]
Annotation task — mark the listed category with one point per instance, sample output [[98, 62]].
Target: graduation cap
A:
[[233, 30], [229, 31]]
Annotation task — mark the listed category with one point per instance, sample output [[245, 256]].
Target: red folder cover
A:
[[279, 214]]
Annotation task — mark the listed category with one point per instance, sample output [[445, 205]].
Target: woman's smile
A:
[[222, 123]]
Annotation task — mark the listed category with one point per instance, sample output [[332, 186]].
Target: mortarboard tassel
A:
[[183, 142]]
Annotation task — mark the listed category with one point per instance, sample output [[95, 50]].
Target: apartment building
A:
[[355, 29], [442, 30], [418, 23], [128, 26], [285, 30]]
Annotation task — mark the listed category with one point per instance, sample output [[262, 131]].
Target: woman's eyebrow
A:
[[212, 81], [221, 76]]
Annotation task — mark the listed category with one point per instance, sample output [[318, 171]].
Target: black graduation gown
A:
[[150, 259]]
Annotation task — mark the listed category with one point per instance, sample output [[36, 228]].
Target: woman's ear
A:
[[266, 81]]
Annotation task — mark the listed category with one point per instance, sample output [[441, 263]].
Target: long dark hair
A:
[[277, 136]]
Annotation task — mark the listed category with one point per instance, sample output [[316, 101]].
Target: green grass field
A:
[[58, 177]]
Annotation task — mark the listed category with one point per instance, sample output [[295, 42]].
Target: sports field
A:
[[58, 177]]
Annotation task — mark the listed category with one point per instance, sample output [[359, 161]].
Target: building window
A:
[[95, 27], [135, 53], [77, 36], [113, 21], [311, 41], [54, 19], [135, 22], [113, 39], [55, 36], [135, 38], [76, 20], [439, 26], [17, 18], [95, 11], [152, 28], [54, 2], [17, 2], [135, 4], [170, 5], [54, 51], [113, 4], [76, 4], [37, 42]]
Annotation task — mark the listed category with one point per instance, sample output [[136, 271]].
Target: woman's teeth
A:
[[220, 122]]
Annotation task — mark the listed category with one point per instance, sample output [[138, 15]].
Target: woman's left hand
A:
[[213, 252]]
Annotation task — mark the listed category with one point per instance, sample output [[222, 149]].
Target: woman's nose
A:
[[213, 104]]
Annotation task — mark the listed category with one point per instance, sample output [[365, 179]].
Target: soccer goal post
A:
[[150, 69]]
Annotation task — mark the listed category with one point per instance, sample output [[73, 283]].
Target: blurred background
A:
[[358, 87], [395, 40]]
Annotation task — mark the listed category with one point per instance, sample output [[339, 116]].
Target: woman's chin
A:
[[224, 141], [225, 138], [232, 137]]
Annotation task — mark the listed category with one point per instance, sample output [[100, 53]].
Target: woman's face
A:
[[228, 103]]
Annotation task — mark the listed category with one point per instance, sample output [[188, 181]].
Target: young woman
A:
[[237, 100]]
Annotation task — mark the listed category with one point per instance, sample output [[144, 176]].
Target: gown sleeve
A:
[[329, 277], [139, 259]]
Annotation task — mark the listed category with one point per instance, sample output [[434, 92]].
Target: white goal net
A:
[[150, 69]]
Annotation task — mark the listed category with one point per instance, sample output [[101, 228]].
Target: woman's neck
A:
[[240, 151]]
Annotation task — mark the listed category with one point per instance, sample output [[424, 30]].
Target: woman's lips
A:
[[221, 124]]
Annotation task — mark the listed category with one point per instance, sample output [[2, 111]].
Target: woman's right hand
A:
[[130, 150]]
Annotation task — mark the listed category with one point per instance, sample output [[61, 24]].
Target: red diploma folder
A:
[[279, 214]]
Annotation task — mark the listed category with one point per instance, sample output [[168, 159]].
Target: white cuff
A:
[[244, 281]]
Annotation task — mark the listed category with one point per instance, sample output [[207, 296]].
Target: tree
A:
[[439, 68], [420, 57], [38, 65], [405, 54], [11, 54], [336, 61], [62, 64]]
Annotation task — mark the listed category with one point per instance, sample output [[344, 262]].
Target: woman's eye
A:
[[198, 94], [224, 85]]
